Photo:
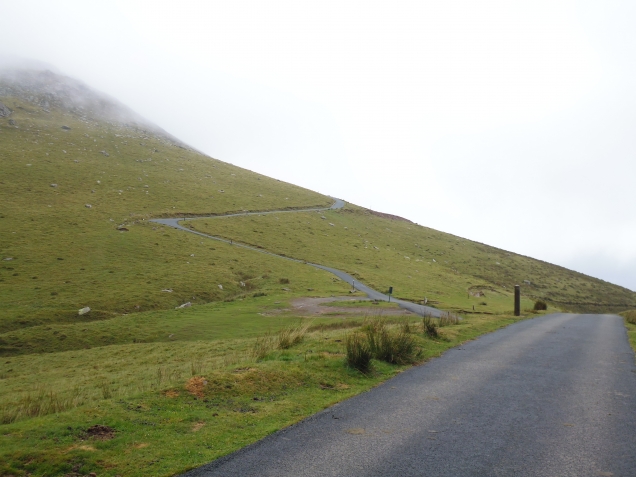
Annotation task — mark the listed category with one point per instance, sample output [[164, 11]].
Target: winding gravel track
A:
[[551, 396], [338, 204]]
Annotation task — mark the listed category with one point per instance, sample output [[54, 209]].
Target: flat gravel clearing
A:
[[551, 396]]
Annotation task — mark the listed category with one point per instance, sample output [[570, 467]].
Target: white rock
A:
[[331, 224], [220, 287], [84, 310], [185, 305], [167, 290], [88, 206], [192, 255], [8, 259], [242, 284], [53, 185]]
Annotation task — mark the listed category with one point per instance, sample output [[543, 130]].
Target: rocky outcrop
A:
[[4, 111]]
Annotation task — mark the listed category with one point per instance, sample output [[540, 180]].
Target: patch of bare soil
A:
[[99, 433], [314, 306]]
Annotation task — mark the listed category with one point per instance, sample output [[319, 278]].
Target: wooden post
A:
[[517, 300]]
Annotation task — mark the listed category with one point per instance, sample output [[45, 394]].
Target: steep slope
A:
[[75, 191], [81, 174]]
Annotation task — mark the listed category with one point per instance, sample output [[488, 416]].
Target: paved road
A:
[[551, 396], [338, 204]]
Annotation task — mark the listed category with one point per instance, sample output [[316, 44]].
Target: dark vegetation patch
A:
[[99, 432]]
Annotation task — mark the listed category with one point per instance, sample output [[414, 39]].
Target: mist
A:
[[505, 123]]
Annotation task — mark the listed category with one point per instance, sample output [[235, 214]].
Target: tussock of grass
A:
[[380, 342], [429, 327], [292, 335], [262, 346], [358, 352], [449, 319]]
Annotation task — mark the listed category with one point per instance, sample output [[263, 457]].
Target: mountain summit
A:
[[48, 90]]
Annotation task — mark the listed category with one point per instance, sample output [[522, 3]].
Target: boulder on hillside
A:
[[4, 111]]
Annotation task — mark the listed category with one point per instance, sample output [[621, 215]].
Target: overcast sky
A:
[[509, 123]]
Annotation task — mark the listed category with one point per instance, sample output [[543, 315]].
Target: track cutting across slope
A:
[[421, 310]]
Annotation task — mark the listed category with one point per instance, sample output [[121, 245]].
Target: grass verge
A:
[[630, 323], [177, 423]]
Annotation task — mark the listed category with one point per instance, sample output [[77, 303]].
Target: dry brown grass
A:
[[196, 385]]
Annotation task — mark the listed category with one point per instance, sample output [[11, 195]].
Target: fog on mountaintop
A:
[[504, 123]]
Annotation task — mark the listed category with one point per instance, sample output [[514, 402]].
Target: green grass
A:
[[66, 256], [417, 261], [630, 323], [161, 435], [61, 372]]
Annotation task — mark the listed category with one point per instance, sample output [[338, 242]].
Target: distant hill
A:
[[81, 174]]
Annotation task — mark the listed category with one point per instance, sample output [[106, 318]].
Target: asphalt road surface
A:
[[552, 396], [421, 310]]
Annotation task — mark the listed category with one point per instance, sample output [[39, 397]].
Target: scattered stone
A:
[[105, 153], [11, 122], [286, 289], [4, 111], [7, 259], [167, 290], [220, 287], [84, 310], [331, 224], [242, 284], [323, 217], [53, 185], [185, 305], [527, 282], [122, 229], [88, 206], [66, 128], [310, 289], [434, 260], [192, 255], [99, 182]]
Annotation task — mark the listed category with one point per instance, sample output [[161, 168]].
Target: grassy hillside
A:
[[65, 255], [79, 178], [420, 263]]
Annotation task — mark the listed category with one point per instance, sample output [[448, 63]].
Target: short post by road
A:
[[517, 300], [390, 292]]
